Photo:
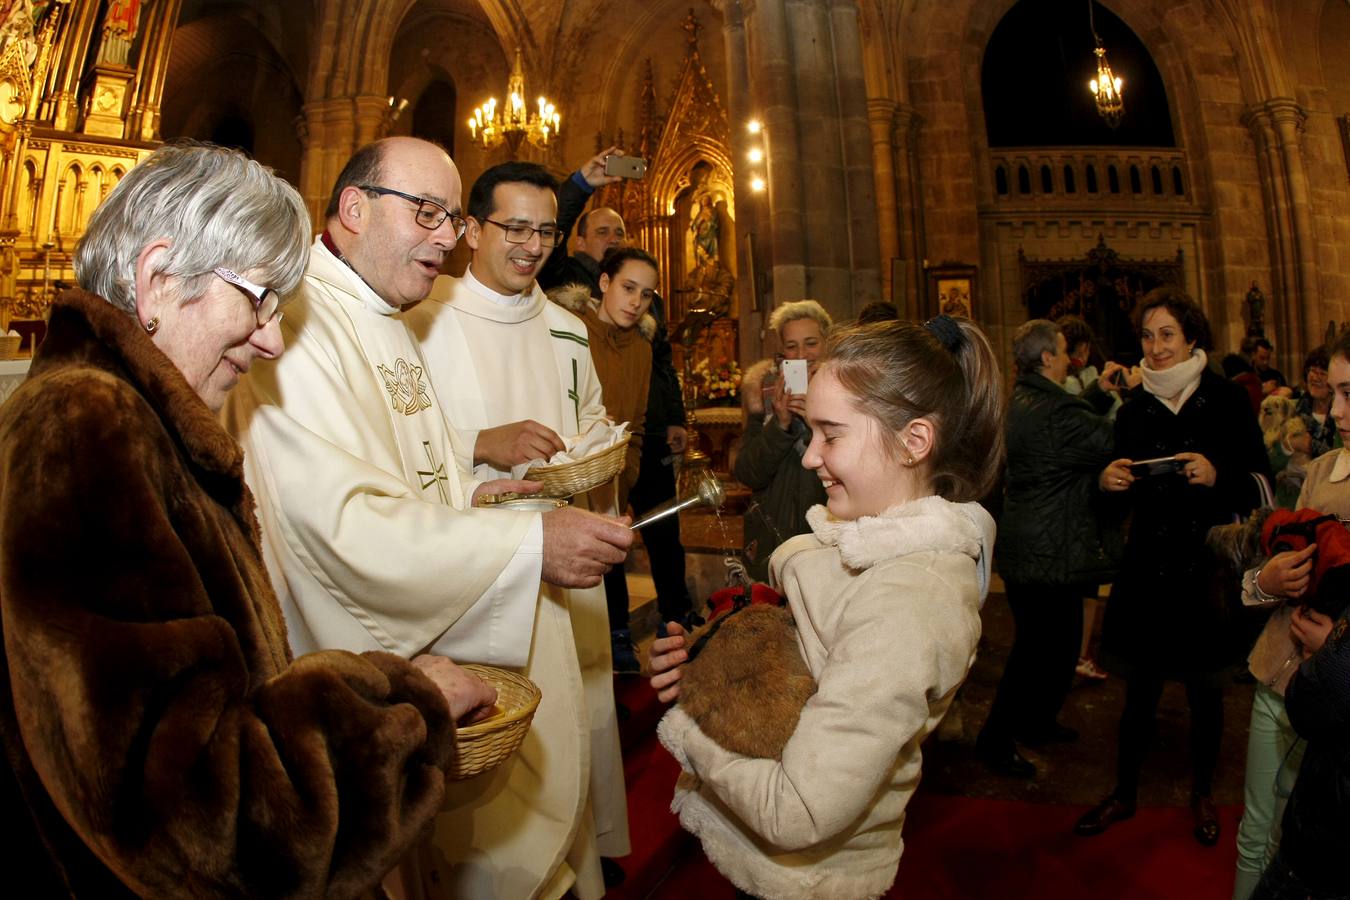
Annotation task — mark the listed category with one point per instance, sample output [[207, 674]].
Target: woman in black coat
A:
[[1051, 549], [1171, 614]]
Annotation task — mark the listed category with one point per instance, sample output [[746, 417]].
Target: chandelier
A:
[[1106, 86], [513, 123]]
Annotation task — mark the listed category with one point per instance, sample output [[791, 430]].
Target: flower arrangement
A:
[[716, 385]]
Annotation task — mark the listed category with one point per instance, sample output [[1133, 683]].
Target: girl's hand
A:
[[1116, 477], [1309, 629], [1287, 574], [667, 659], [1198, 469]]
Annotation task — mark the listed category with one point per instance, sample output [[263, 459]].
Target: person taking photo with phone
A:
[[770, 458], [1169, 616]]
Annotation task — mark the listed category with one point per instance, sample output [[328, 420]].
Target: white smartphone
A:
[[794, 376]]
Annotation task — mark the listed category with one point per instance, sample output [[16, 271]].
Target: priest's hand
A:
[[519, 442], [488, 491], [580, 546], [470, 698]]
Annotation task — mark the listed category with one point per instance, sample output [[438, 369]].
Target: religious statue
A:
[[1256, 312], [712, 287], [706, 228], [119, 30]]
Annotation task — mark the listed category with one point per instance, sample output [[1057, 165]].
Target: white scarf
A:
[[1174, 385]]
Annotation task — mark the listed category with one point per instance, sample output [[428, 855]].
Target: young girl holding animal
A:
[[907, 432]]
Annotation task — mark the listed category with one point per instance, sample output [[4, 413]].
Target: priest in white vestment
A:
[[372, 543], [514, 374]]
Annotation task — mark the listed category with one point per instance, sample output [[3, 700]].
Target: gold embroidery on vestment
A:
[[434, 474], [407, 390]]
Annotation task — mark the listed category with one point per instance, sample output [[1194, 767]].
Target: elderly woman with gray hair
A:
[[776, 435], [159, 738], [1051, 548]]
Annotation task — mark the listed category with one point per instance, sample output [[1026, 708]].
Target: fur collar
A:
[[926, 524], [577, 298], [86, 330]]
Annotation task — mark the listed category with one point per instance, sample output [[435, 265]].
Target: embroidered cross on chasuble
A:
[[573, 393]]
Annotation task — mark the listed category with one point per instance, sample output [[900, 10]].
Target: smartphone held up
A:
[[794, 376], [626, 166]]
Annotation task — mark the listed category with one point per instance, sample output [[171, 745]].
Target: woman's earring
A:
[[152, 325], [909, 459]]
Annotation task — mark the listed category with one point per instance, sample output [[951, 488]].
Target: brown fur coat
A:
[[159, 739]]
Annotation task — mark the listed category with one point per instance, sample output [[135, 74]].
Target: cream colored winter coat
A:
[[888, 618]]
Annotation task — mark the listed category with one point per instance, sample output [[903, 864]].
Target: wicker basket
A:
[[9, 345], [578, 477], [485, 745]]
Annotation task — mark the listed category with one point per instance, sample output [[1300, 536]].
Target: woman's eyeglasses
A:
[[265, 300]]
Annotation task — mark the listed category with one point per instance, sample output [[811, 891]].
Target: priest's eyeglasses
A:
[[265, 300], [429, 215], [549, 235]]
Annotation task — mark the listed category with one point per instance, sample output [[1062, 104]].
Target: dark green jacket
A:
[[1051, 532]]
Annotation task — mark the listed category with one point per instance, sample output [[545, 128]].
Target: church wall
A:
[[1323, 71], [1225, 229]]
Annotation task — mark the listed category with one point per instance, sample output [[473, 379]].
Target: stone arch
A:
[[612, 81], [246, 96]]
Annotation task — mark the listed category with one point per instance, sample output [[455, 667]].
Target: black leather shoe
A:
[[1006, 762], [1055, 734], [612, 872], [1206, 820], [1103, 816]]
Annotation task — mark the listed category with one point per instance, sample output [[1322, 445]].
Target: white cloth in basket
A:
[[602, 436]]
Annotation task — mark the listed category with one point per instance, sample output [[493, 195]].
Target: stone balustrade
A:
[[1090, 175]]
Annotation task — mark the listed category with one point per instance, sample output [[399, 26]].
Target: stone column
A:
[[806, 62], [773, 69], [854, 150], [740, 109], [909, 195], [1289, 119], [881, 119], [331, 130], [824, 196], [1275, 126]]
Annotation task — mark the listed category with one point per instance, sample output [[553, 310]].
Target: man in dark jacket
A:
[[1051, 550]]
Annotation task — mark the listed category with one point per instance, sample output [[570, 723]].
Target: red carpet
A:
[[956, 848]]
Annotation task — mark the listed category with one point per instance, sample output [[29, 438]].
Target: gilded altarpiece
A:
[[684, 212], [80, 87]]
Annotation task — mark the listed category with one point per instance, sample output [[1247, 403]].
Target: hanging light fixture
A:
[[512, 122], [1106, 86]]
